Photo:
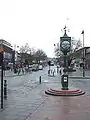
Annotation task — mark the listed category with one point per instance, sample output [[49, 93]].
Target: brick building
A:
[[8, 52], [10, 55]]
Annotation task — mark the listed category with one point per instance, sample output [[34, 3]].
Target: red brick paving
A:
[[63, 108]]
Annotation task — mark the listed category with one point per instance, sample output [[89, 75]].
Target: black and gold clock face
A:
[[65, 45]]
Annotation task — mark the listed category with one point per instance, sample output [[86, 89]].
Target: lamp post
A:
[[83, 55]]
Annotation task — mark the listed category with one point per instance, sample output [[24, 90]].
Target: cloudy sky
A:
[[39, 22]]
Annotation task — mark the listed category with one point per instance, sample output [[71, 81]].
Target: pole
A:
[[39, 79], [83, 57], [2, 80], [5, 89], [65, 59], [49, 70], [13, 59]]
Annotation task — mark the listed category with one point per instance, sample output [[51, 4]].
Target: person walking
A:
[[61, 70], [19, 70]]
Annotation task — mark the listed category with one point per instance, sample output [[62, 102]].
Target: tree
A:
[[75, 45], [58, 53], [78, 45], [25, 52], [25, 49], [29, 55], [40, 55]]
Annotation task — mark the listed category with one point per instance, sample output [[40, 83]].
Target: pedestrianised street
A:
[[26, 98]]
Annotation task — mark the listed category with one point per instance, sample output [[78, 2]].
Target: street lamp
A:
[[83, 55]]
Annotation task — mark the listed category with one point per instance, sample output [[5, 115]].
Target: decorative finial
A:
[[65, 29]]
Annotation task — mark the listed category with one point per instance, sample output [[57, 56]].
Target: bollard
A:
[[53, 73], [48, 72], [5, 89], [40, 80], [60, 71]]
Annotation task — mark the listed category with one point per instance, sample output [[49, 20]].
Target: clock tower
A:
[[65, 47]]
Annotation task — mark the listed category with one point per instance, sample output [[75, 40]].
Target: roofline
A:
[[4, 42], [82, 48]]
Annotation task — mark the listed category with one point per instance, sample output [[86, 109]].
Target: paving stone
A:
[[11, 117]]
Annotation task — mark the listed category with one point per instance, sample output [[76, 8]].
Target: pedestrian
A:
[[22, 70], [48, 72], [19, 70], [62, 70], [54, 70], [57, 68]]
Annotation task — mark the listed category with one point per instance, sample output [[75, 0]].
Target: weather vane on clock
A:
[[65, 29]]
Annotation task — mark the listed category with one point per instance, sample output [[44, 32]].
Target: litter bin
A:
[[64, 82]]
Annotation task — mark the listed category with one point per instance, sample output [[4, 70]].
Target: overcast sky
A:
[[39, 22]]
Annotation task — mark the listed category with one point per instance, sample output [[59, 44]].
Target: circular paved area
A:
[[60, 92]]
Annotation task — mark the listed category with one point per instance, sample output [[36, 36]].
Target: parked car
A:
[[30, 68], [40, 67], [34, 67], [52, 64]]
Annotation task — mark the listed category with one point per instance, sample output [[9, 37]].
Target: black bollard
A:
[[40, 80], [53, 73], [5, 89], [60, 71], [57, 70], [48, 72]]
